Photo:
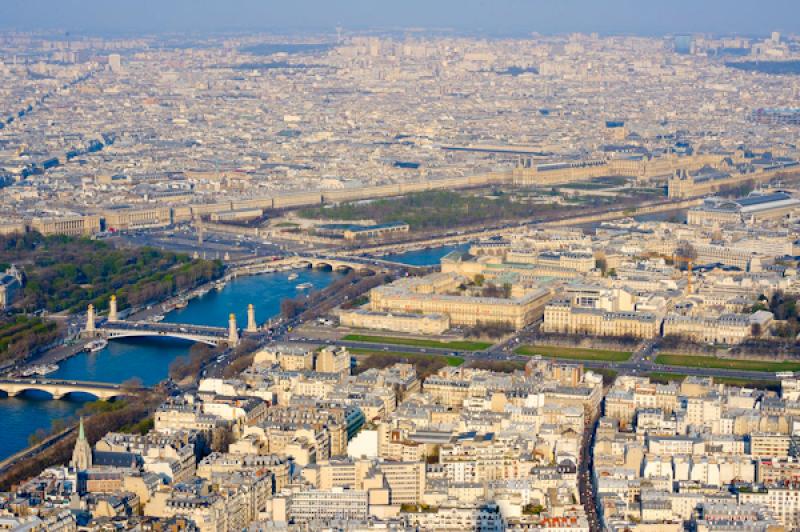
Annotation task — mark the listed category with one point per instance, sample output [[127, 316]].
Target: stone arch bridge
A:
[[61, 388]]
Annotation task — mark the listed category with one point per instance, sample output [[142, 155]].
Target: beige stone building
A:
[[129, 218], [599, 311], [325, 505], [332, 359], [67, 225], [783, 503], [405, 481], [767, 445], [399, 322], [561, 317], [459, 517], [579, 261], [446, 391], [684, 185], [528, 173], [10, 228], [731, 256], [208, 510], [290, 357], [520, 266], [182, 415], [724, 329], [436, 294], [481, 459]]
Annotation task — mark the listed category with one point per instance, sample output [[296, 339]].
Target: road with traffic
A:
[[640, 363]]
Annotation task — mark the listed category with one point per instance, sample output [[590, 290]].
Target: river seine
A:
[[149, 359]]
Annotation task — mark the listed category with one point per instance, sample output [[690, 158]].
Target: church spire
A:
[[82, 453]]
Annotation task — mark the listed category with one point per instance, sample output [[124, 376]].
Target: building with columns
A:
[[67, 225]]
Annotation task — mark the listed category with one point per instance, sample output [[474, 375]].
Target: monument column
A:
[[90, 328], [251, 319], [112, 309], [233, 331]]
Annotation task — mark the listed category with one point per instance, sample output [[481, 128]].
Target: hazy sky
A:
[[494, 17]]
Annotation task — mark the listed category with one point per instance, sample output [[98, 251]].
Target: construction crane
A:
[[685, 252], [688, 261]]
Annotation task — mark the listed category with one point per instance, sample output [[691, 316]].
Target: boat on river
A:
[[40, 369], [304, 286], [96, 345]]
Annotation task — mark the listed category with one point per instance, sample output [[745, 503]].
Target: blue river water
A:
[[149, 359]]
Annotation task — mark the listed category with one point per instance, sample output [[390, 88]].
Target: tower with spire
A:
[[82, 453]]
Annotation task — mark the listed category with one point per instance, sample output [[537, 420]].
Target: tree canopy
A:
[[68, 273]]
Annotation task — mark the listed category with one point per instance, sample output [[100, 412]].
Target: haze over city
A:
[[401, 266], [497, 17]]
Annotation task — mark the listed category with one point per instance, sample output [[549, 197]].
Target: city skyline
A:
[[272, 266]]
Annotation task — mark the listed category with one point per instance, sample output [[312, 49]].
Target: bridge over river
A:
[[60, 388], [212, 336], [113, 327], [331, 262]]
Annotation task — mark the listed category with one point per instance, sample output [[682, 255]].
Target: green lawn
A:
[[450, 360], [459, 345], [574, 353], [688, 361], [662, 376], [433, 209]]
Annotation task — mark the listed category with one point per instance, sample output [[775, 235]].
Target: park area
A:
[[690, 361], [425, 365], [574, 353], [457, 345]]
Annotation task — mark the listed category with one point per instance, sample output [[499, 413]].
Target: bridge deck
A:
[[121, 329], [60, 382], [60, 388], [165, 327]]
